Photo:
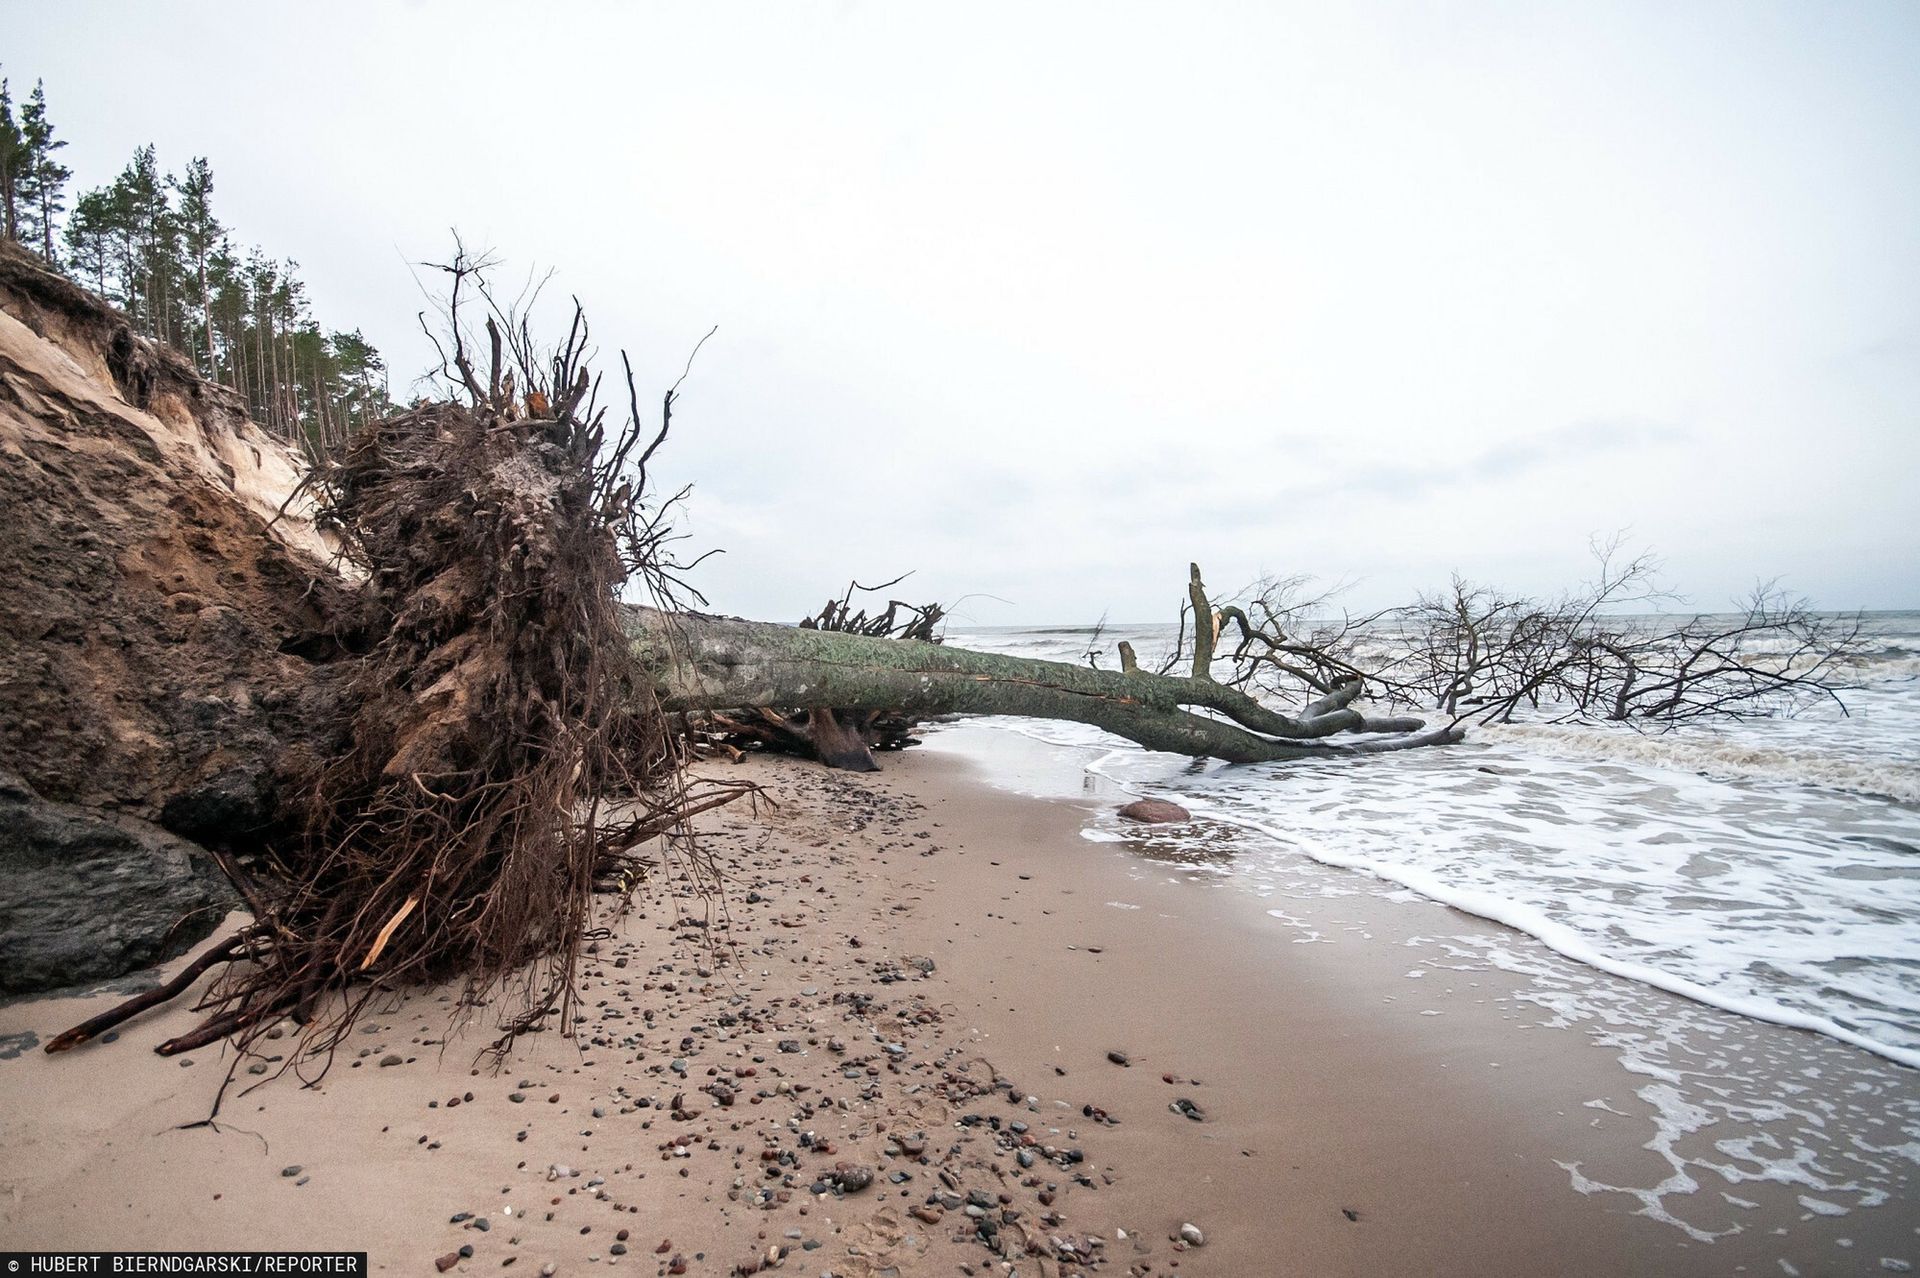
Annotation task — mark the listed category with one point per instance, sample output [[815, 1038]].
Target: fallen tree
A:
[[713, 663], [745, 677], [840, 737], [1603, 653], [444, 810]]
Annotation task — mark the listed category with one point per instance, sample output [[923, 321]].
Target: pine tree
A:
[[358, 367], [12, 147], [200, 236], [140, 197], [124, 236], [90, 238], [231, 305], [42, 182], [149, 242]]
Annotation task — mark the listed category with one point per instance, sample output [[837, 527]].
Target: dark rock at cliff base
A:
[[1155, 811], [86, 895], [170, 627]]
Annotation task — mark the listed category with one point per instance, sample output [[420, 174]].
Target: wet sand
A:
[[906, 966]]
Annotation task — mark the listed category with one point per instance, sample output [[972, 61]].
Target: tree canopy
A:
[[150, 242]]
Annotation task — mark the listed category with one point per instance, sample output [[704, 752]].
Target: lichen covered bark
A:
[[714, 663]]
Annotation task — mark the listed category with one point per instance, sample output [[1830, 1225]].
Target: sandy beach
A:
[[894, 1047], [992, 641]]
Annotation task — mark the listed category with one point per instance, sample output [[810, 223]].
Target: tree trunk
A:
[[712, 663], [206, 312]]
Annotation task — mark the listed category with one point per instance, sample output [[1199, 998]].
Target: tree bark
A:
[[715, 664]]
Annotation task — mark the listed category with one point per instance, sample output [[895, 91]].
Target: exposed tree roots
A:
[[459, 823]]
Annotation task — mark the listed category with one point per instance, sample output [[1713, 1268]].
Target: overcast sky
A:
[[1043, 301]]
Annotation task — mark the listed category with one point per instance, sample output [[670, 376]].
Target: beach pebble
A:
[[290, 1171], [852, 1179], [1119, 1058], [447, 1261], [1191, 1235], [393, 1058], [1155, 811]]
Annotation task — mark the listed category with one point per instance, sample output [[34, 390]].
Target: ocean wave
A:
[[1735, 864], [1755, 904], [1569, 942], [1717, 757], [1898, 664]]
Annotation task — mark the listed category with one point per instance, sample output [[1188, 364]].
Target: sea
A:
[[1761, 870]]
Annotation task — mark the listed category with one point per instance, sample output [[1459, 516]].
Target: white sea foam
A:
[[1746, 903]]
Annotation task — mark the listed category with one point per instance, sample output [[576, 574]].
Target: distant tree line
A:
[[149, 242]]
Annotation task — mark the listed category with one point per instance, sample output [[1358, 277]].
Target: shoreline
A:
[[1344, 1129], [1055, 778]]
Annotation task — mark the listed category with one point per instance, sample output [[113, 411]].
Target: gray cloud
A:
[[1043, 301]]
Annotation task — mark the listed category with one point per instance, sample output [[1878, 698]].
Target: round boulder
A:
[[1155, 811]]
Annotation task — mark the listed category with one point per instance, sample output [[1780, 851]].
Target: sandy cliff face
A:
[[161, 646]]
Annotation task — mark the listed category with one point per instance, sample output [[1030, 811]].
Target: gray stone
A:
[[88, 895]]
